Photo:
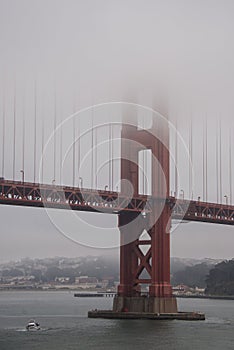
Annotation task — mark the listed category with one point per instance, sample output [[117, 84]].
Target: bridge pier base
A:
[[145, 304], [146, 307]]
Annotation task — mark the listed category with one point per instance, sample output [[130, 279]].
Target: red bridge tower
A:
[[133, 258]]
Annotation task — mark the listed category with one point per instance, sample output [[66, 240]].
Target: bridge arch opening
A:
[[145, 172]]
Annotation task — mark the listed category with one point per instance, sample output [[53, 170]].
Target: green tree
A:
[[220, 280], [192, 276]]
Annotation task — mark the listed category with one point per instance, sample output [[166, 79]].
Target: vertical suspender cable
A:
[[230, 164], [73, 144], [42, 148], [203, 163], [217, 163], [144, 161], [14, 132], [96, 157], [74, 150], [112, 159], [55, 123], [206, 160], [143, 167], [146, 172], [78, 155], [220, 161], [3, 133], [92, 139], [35, 133], [23, 136], [143, 171], [61, 150], [176, 161], [190, 158], [23, 144]]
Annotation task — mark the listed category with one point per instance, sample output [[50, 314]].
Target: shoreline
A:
[[218, 297], [78, 291]]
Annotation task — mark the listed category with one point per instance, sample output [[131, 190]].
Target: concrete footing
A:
[[145, 304], [109, 314], [145, 307]]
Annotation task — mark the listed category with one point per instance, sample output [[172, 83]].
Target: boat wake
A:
[[216, 320]]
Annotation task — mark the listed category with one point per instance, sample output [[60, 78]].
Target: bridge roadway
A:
[[64, 197]]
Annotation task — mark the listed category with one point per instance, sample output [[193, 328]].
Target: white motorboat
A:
[[33, 326]]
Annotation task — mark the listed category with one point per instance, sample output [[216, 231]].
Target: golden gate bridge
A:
[[137, 212]]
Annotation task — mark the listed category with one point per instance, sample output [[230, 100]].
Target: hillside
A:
[[220, 280], [190, 272]]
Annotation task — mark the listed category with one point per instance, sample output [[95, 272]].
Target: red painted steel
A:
[[36, 195], [64, 197], [155, 261], [203, 211]]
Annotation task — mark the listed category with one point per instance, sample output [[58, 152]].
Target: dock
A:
[[95, 295]]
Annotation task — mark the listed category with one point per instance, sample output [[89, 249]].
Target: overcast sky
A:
[[175, 56]]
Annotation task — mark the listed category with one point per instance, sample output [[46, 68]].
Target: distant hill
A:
[[192, 276], [220, 280], [179, 264], [191, 272], [47, 270]]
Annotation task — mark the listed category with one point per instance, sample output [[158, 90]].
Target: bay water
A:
[[65, 325]]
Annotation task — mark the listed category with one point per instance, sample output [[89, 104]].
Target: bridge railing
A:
[[66, 197], [203, 211]]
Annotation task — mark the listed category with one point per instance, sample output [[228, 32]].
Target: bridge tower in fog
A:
[[143, 260], [145, 257]]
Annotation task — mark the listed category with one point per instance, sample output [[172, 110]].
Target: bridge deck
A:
[[90, 200], [65, 197]]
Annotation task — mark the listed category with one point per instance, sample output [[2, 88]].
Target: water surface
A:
[[65, 325]]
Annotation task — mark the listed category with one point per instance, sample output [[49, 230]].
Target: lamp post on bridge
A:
[[81, 181], [22, 172], [182, 194], [226, 199]]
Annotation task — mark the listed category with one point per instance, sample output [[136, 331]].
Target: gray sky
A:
[[175, 56]]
